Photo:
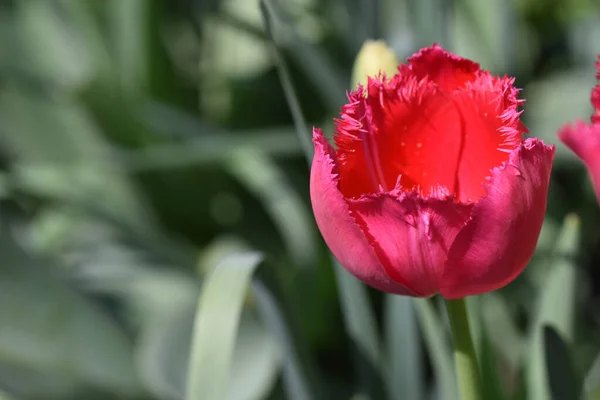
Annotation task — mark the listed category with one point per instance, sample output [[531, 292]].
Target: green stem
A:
[[467, 367]]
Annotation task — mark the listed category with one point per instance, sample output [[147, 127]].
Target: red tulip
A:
[[432, 188], [584, 139]]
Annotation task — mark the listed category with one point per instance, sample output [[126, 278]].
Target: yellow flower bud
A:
[[374, 57]]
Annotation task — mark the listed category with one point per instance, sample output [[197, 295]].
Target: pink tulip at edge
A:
[[432, 187], [584, 139]]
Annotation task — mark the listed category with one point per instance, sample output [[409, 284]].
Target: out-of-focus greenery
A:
[[148, 151]]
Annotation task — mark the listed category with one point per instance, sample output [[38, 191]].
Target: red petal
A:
[[584, 141], [340, 231], [411, 235], [447, 70], [499, 240], [410, 128], [596, 103], [491, 129]]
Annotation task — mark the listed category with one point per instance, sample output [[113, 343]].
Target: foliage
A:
[[150, 159]]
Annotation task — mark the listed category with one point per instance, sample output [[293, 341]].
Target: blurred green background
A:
[[141, 141]]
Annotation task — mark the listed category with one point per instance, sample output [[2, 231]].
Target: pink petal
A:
[[411, 235], [584, 141], [339, 229], [595, 99], [499, 240]]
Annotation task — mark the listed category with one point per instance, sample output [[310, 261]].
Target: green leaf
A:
[[51, 331], [61, 154], [268, 183], [556, 307], [559, 99], [52, 47], [502, 333], [403, 345], [486, 354], [327, 78], [216, 326], [298, 375], [563, 380], [430, 20], [485, 31], [165, 303], [130, 34], [439, 350], [288, 88], [360, 322], [493, 387], [164, 354], [592, 380]]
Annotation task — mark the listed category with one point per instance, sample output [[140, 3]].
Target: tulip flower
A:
[[432, 187], [584, 139]]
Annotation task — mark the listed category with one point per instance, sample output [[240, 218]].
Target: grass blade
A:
[[327, 78], [216, 324], [131, 39], [405, 369], [556, 307], [360, 321], [268, 183], [438, 349], [500, 329], [564, 384], [592, 380], [288, 88], [296, 381]]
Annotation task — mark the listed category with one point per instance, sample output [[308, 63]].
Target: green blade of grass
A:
[[438, 348], [556, 307], [563, 381], [268, 183], [288, 88], [405, 369], [358, 316], [216, 324], [592, 380], [297, 381]]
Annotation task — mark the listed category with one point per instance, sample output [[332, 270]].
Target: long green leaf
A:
[[268, 183], [430, 21], [484, 31], [129, 20], [592, 380], [438, 348], [358, 315], [297, 379], [556, 307], [486, 353], [317, 64], [562, 378], [216, 325], [403, 345], [52, 332], [51, 48], [288, 88], [501, 330]]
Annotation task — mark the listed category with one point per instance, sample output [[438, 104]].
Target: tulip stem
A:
[[467, 367]]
